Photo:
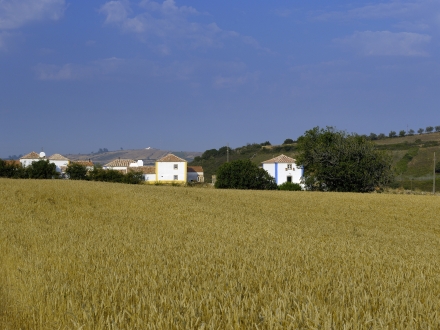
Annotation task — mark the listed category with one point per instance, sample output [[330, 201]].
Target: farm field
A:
[[90, 255]]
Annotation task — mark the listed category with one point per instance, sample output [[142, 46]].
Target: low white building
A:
[[31, 157], [195, 174], [60, 162], [121, 165], [284, 169]]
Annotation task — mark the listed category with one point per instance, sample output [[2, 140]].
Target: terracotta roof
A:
[[120, 163], [195, 169], [83, 162], [58, 157], [280, 159], [12, 162], [31, 155], [144, 169], [170, 158]]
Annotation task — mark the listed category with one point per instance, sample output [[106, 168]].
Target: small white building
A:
[[284, 169], [195, 174], [31, 157], [121, 165], [171, 169], [60, 162]]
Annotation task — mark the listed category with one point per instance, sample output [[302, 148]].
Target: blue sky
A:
[[76, 76]]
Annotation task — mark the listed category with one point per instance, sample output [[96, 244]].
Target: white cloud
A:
[[72, 71], [169, 23], [16, 13], [386, 43]]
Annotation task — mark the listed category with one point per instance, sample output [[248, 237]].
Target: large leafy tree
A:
[[76, 171], [42, 169], [336, 161], [243, 174]]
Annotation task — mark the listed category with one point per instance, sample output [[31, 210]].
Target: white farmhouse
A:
[[195, 174], [60, 162], [31, 157], [121, 165], [283, 169], [171, 169]]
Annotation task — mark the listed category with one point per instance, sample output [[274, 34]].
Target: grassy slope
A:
[[418, 170], [110, 256]]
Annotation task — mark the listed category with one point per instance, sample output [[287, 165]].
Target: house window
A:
[[289, 179], [176, 166], [176, 177], [289, 166]]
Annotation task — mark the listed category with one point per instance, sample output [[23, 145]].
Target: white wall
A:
[[166, 171], [150, 177], [27, 162], [192, 176], [59, 163], [278, 171]]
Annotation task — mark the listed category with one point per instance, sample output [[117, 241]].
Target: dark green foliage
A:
[[133, 177], [381, 136], [42, 169], [392, 134], [9, 169], [290, 186], [99, 174], [429, 129], [243, 174], [437, 168], [402, 133], [288, 141], [336, 161], [411, 132], [420, 130], [372, 137], [402, 165], [76, 171], [267, 143], [437, 128]]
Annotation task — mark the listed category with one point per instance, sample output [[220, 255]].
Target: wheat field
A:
[[89, 255]]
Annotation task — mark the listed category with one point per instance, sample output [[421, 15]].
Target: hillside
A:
[[412, 158], [149, 156]]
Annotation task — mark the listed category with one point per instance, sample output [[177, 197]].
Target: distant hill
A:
[[149, 156], [412, 158]]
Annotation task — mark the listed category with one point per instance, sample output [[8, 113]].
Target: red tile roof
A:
[[144, 169], [58, 157], [195, 169], [280, 159], [120, 163], [31, 155], [83, 162], [170, 158]]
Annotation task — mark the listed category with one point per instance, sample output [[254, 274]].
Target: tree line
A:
[[402, 133], [43, 169]]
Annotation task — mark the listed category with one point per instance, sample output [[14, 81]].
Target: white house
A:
[[195, 174], [284, 169], [171, 169], [121, 165], [31, 157], [60, 162], [148, 172]]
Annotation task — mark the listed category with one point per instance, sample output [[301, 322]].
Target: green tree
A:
[[420, 130], [42, 169], [392, 134], [437, 168], [402, 133], [381, 136], [437, 128], [288, 141], [10, 169], [243, 174], [372, 136], [76, 171], [133, 177], [429, 129], [411, 132], [336, 161]]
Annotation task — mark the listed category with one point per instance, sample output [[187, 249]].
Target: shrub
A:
[[76, 171], [290, 186]]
